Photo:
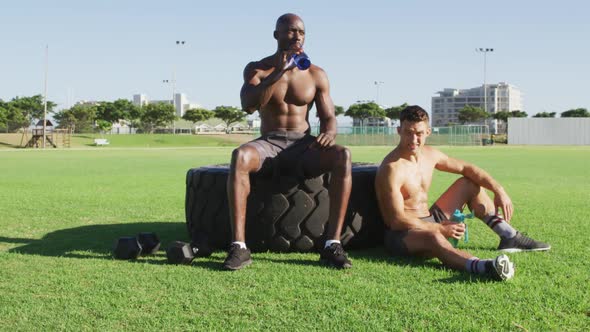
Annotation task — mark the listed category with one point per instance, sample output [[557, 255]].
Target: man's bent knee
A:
[[343, 158], [467, 184], [245, 159]]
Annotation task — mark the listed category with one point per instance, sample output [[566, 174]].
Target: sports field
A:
[[61, 210]]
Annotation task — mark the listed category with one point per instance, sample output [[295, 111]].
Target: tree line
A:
[[473, 114], [21, 112]]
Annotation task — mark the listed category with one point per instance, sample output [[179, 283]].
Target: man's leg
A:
[[245, 160], [433, 244], [336, 160], [466, 191]]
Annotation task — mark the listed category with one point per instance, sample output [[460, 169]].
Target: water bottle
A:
[[459, 217], [301, 61]]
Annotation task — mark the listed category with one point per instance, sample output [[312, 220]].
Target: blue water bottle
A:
[[301, 61], [459, 217]]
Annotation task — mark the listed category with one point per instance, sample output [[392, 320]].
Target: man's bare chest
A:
[[296, 88], [417, 180]]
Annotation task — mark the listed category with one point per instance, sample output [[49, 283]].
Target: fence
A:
[[455, 135], [549, 131]]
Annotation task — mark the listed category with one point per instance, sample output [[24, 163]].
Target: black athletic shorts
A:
[[287, 149], [393, 241]]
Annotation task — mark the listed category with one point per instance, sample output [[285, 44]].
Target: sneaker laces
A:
[[234, 250], [338, 250], [525, 240]]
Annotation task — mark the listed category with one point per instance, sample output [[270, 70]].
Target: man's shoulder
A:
[[391, 164], [317, 71], [432, 153], [262, 64]]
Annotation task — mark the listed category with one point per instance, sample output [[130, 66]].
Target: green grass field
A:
[[61, 211], [85, 141]]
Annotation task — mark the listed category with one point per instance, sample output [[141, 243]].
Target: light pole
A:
[[178, 43], [485, 51], [173, 82], [377, 84], [45, 95]]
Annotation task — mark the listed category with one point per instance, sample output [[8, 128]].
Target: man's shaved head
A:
[[286, 19]]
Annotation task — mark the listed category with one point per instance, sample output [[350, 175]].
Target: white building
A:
[[181, 102], [500, 97], [372, 122], [254, 123]]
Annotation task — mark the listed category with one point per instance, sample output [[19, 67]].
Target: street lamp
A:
[[45, 96], [485, 51], [377, 84], [178, 43]]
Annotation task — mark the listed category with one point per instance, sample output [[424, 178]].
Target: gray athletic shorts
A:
[[394, 240], [286, 148]]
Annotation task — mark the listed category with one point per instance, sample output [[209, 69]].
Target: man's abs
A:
[[284, 118]]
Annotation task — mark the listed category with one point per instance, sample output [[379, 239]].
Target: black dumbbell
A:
[[181, 253], [150, 243], [129, 247]]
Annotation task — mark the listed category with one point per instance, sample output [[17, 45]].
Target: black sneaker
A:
[[521, 242], [335, 256], [502, 268], [237, 258]]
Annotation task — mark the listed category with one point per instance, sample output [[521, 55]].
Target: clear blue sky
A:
[[105, 50]]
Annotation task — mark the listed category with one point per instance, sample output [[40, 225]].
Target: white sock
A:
[[241, 244], [329, 243], [477, 266], [500, 226]]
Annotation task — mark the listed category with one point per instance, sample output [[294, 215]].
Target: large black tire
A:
[[284, 213], [363, 224]]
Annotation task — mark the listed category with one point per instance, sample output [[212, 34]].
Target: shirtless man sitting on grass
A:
[[402, 185]]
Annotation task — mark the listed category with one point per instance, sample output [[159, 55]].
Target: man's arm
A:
[[255, 91], [325, 109], [479, 177], [388, 182]]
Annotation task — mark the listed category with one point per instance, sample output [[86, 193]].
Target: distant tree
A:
[[544, 115], [394, 112], [79, 117], [112, 112], [3, 114], [136, 113], [195, 115], [25, 110], [66, 119], [105, 111], [363, 111], [156, 115], [504, 115], [338, 110], [471, 114], [229, 114], [104, 126], [126, 108], [576, 113]]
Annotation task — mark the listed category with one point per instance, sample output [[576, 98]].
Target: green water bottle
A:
[[459, 217]]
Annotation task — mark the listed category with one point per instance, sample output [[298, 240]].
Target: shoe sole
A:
[[330, 264], [512, 250], [504, 268], [239, 267]]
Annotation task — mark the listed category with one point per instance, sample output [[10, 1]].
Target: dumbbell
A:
[[129, 247], [181, 253]]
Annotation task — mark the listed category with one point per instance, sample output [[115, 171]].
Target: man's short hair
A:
[[413, 113]]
